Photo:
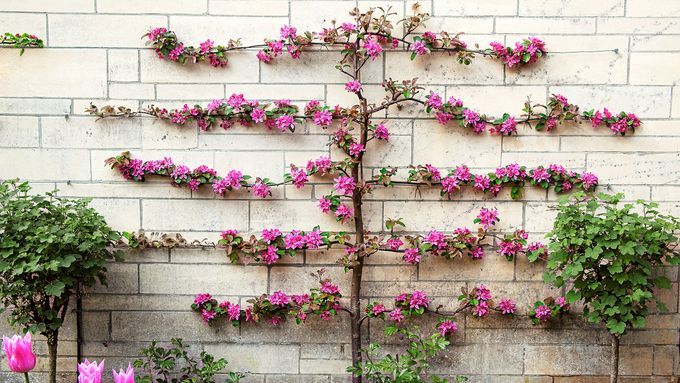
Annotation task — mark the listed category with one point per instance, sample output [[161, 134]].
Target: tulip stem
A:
[[26, 377]]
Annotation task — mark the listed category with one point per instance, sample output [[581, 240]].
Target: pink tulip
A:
[[20, 356], [90, 372], [124, 377]]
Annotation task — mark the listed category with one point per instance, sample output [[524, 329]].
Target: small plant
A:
[[175, 365], [50, 250], [610, 255], [21, 41], [409, 367]]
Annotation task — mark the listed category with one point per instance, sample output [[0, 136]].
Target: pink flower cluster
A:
[[480, 300], [556, 112], [619, 124], [138, 170], [547, 309], [235, 109], [527, 51], [273, 308], [515, 175], [167, 46], [273, 244]]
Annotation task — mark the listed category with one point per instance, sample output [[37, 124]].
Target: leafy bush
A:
[[175, 365], [609, 255], [50, 249], [409, 367]]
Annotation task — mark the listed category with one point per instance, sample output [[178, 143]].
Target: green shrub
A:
[[608, 256], [50, 249]]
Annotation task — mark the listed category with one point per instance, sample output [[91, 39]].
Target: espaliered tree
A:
[[355, 129]]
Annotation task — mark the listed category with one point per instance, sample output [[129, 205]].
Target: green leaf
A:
[[55, 288]]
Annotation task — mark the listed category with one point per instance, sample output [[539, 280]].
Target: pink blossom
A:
[[462, 173], [275, 320], [436, 238], [348, 27], [324, 204], [234, 312], [285, 122], [562, 100], [429, 36], [261, 189], [322, 118], [412, 256], [344, 185], [270, 235], [449, 185], [508, 126], [482, 182], [481, 310], [483, 293], [127, 376], [194, 184], [543, 313], [487, 217], [313, 239], [372, 47], [561, 301], [301, 299], [279, 299], [231, 232], [378, 309], [455, 102], [206, 46], [396, 315], [419, 48], [344, 213], [326, 315], [234, 179], [288, 31], [589, 180], [258, 115], [443, 118], [540, 174], [329, 288], [447, 327], [418, 299], [551, 124], [381, 132], [202, 298], [299, 177], [435, 174], [208, 315], [220, 186], [264, 57], [509, 249], [353, 86], [294, 240], [176, 52], [214, 105], [477, 253], [156, 32], [236, 101], [394, 243], [355, 149], [434, 101], [507, 306], [323, 164], [270, 255], [596, 119]]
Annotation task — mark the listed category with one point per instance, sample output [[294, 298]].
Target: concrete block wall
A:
[[94, 54]]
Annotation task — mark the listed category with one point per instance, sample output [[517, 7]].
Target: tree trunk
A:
[[357, 271], [614, 367], [52, 352]]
